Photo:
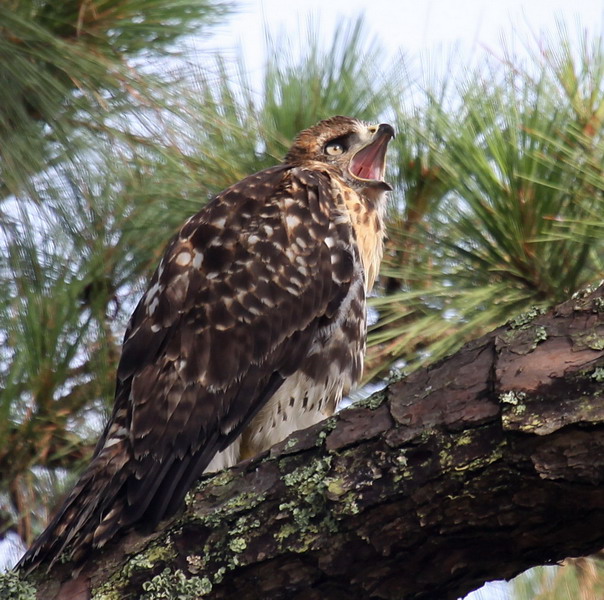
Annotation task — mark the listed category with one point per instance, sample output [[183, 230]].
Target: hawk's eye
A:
[[336, 147]]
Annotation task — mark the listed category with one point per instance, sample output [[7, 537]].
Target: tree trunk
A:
[[476, 468]]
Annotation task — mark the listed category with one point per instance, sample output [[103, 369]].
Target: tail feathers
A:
[[90, 514]]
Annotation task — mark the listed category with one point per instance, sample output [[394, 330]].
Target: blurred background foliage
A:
[[111, 136]]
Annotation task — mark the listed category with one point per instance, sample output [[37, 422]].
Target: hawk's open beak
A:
[[369, 163]]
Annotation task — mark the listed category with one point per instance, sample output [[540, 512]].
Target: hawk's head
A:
[[357, 150]]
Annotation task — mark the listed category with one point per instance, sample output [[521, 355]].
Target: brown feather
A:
[[252, 326]]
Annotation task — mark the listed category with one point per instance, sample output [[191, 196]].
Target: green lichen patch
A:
[[309, 479], [304, 526], [465, 439], [219, 575], [306, 513], [400, 466], [339, 490], [316, 484], [227, 527], [528, 423], [150, 557], [291, 442], [598, 374], [588, 290], [589, 339], [237, 545], [14, 588], [541, 416], [525, 339], [470, 450], [512, 397], [237, 504], [244, 524], [195, 563], [110, 590], [514, 409], [335, 487], [349, 505], [328, 425], [285, 532], [175, 585], [523, 320], [540, 334], [372, 402], [308, 482], [586, 300], [215, 481], [223, 549]]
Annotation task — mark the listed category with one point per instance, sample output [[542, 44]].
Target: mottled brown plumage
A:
[[253, 326]]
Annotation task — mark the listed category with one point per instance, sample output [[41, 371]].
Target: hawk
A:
[[253, 326]]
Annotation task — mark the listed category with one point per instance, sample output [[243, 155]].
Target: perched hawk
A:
[[253, 326]]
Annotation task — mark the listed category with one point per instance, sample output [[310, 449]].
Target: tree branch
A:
[[476, 468]]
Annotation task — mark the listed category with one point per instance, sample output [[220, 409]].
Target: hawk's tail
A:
[[89, 516]]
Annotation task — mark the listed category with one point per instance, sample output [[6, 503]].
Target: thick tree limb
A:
[[473, 469]]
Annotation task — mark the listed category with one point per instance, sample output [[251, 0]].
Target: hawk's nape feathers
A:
[[253, 326]]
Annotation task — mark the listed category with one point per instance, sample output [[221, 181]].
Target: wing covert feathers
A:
[[241, 299]]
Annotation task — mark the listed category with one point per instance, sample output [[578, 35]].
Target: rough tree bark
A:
[[476, 468]]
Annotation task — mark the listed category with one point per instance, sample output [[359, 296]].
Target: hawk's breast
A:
[[334, 362]]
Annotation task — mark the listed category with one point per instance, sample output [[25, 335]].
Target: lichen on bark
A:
[[477, 467]]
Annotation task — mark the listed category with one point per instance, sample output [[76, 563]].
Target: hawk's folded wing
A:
[[230, 313]]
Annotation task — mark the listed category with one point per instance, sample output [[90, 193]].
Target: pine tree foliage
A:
[[577, 578], [502, 185], [84, 161], [109, 140]]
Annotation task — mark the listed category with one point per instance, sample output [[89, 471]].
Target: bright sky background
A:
[[413, 26]]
